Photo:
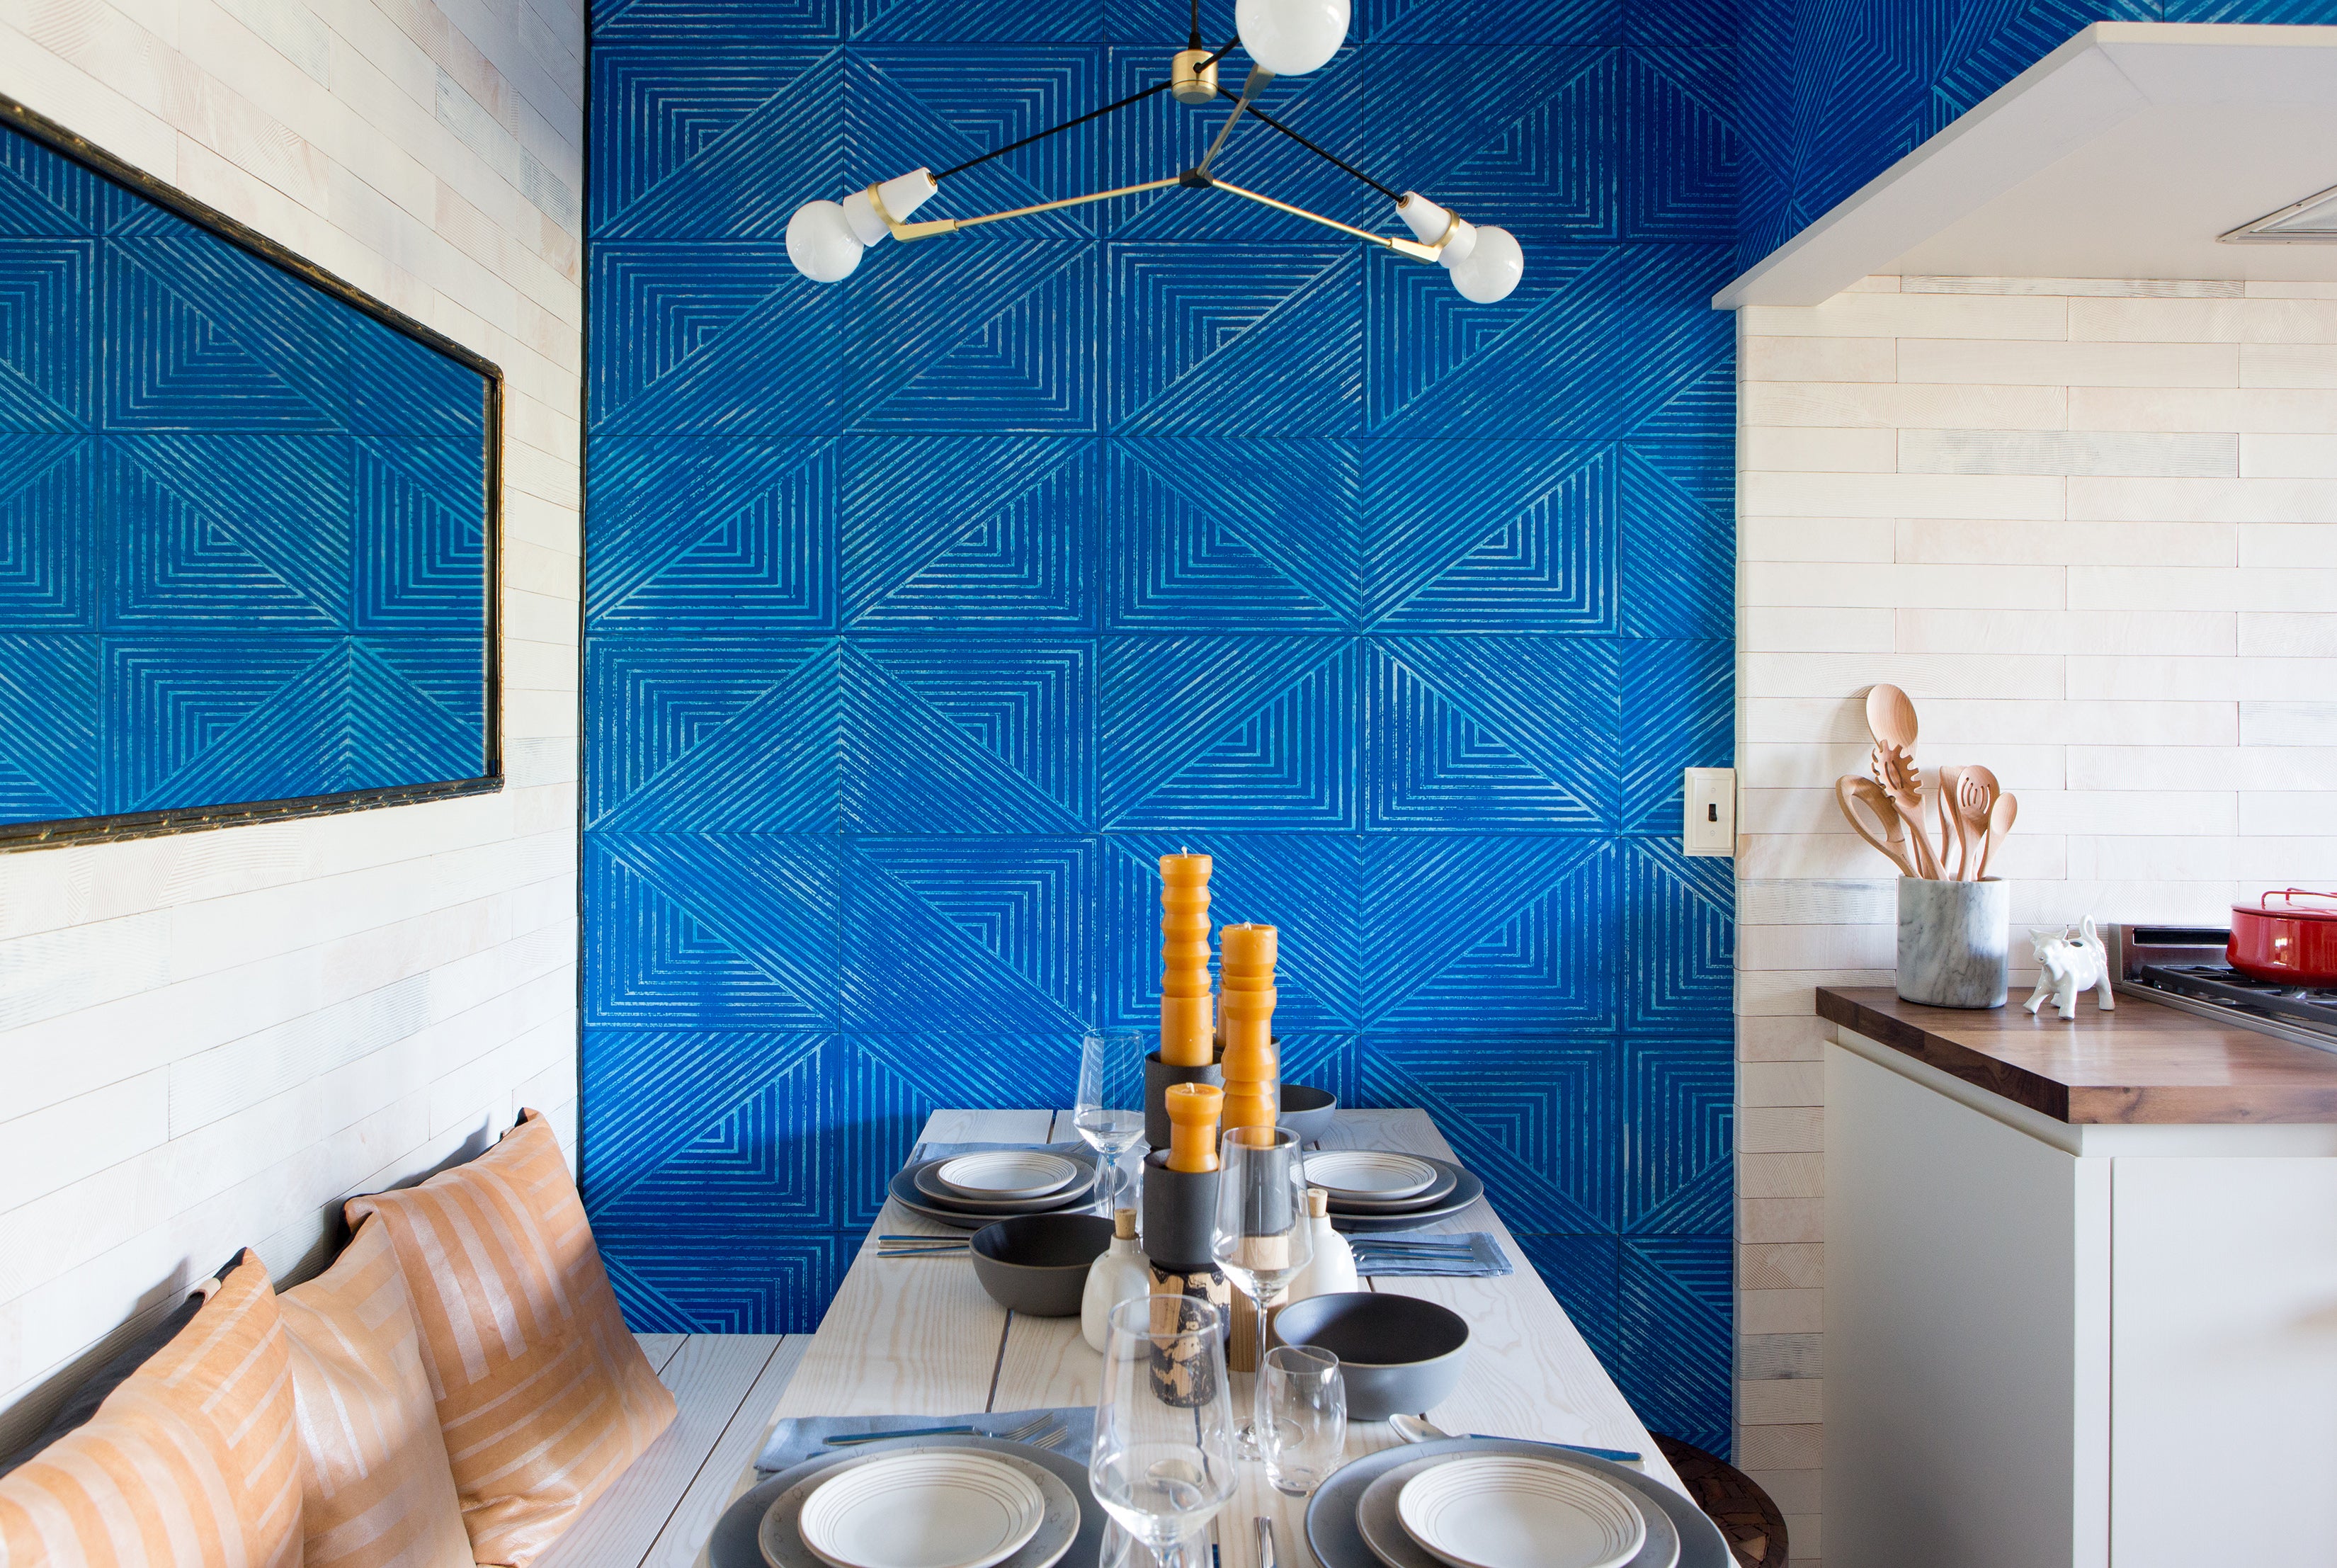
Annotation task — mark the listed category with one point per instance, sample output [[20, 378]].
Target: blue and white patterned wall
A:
[[242, 537], [925, 611], [1837, 90]]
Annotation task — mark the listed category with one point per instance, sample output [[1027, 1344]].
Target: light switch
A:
[[1709, 824]]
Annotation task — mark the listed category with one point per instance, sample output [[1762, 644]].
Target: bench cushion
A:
[[543, 1396], [375, 1490], [192, 1461]]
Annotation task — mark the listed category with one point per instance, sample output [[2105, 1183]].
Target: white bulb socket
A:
[[1490, 271], [1431, 223], [1291, 37]]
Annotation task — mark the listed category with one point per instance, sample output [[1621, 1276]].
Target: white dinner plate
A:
[[927, 1508], [1513, 1513], [1006, 1173], [1377, 1521], [1368, 1173]]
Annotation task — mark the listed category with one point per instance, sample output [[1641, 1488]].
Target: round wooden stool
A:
[[1754, 1529]]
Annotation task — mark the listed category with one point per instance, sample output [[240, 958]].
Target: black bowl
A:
[[1038, 1263], [1306, 1111], [1396, 1353]]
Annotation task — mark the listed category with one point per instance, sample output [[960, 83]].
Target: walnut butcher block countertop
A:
[[2141, 1064]]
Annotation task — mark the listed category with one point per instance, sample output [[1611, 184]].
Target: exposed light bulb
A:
[[1492, 268], [821, 243], [1291, 37], [1434, 225]]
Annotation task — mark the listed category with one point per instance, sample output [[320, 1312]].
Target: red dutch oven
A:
[[2279, 939]]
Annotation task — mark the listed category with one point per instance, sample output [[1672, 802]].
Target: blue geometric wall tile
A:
[[719, 534], [967, 736], [2294, 13], [986, 331], [1517, 934], [1712, 24], [1545, 1133], [1327, 1062], [1678, 701], [210, 719], [711, 930], [713, 734], [249, 528], [1679, 1110], [48, 358], [891, 1082], [1678, 551], [916, 105], [1522, 138], [711, 25], [50, 759], [398, 387], [718, 143], [1308, 885], [1475, 537], [420, 554], [47, 494], [742, 1115], [776, 1283], [1160, 136], [42, 195], [1473, 733], [1225, 532], [1226, 732], [971, 935], [683, 336], [1673, 1355], [968, 531], [1679, 939], [202, 336], [1271, 347], [1679, 180], [1581, 1272], [1599, 341], [991, 21], [415, 711], [1488, 22]]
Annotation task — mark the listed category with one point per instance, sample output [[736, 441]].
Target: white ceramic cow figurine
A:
[[2068, 966]]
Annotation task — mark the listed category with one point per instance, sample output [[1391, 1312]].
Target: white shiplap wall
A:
[[2091, 528], [206, 1039]]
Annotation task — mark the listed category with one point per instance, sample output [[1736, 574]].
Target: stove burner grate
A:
[[2219, 982]]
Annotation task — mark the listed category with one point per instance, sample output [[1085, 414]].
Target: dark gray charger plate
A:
[[1331, 1512], [732, 1545], [904, 1191], [1466, 1191]]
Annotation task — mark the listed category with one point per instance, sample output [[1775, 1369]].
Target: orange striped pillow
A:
[[376, 1491], [543, 1396], [191, 1462]]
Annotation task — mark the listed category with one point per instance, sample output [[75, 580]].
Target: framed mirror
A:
[[248, 520]]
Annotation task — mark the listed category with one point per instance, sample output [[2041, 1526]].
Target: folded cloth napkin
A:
[[803, 1438], [1484, 1261]]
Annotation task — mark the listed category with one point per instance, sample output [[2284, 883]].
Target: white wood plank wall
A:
[[205, 1040], [2091, 528]]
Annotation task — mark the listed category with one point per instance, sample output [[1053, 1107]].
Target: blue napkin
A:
[[1484, 1261], [803, 1438]]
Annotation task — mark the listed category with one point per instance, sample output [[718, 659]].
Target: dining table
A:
[[916, 1336]]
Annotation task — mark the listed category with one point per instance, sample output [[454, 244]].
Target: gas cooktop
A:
[[2183, 966]]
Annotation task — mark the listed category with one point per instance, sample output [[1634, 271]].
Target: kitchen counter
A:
[[2141, 1064]]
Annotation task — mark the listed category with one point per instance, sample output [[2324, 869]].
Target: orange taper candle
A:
[[1193, 1110], [1246, 970], [1186, 1025]]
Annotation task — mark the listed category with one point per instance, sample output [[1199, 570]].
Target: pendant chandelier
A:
[[1282, 38]]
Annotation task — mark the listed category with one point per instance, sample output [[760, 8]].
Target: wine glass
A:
[[1262, 1236], [1108, 1111], [1163, 1460]]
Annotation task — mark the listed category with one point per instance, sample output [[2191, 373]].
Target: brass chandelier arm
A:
[[1411, 248], [951, 225]]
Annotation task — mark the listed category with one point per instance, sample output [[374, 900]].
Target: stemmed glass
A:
[[1108, 1111], [1163, 1460], [1262, 1236]]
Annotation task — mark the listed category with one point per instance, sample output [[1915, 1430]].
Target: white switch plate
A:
[[1708, 825]]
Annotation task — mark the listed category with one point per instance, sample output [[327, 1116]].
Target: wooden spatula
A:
[[1885, 836]]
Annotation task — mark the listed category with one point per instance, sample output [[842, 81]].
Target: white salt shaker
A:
[[1331, 1269], [1122, 1274]]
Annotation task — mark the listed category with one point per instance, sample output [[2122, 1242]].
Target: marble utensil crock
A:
[[1952, 942]]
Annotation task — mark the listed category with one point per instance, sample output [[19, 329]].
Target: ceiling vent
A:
[[2312, 222]]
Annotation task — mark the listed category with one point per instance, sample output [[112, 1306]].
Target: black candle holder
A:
[[1180, 1211]]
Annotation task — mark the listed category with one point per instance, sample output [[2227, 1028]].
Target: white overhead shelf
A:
[[2124, 154]]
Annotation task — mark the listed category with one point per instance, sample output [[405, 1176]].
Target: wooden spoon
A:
[[1903, 783], [1975, 797], [1999, 823], [1951, 825], [1892, 718], [1867, 793]]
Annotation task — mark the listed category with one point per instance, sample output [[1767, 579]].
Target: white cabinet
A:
[[2097, 1347]]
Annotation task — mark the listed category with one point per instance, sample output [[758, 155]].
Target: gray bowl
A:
[[1306, 1111], [1396, 1353], [1038, 1263]]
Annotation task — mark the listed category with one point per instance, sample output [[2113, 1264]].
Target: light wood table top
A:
[[917, 1336], [2139, 1062]]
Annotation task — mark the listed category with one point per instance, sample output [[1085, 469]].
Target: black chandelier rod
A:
[[1090, 115], [1326, 155]]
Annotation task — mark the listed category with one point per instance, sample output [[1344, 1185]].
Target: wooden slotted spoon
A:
[[1975, 795]]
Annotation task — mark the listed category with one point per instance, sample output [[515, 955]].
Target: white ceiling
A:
[[2124, 154]]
